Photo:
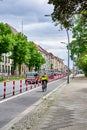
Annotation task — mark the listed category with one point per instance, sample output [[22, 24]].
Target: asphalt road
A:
[[13, 106]]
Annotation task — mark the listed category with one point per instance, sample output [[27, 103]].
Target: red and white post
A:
[[20, 86], [35, 83], [4, 89], [26, 85], [31, 84], [13, 87]]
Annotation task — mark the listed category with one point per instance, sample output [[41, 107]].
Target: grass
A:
[[2, 79]]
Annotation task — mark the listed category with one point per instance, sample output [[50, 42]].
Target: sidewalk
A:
[[69, 112], [65, 109]]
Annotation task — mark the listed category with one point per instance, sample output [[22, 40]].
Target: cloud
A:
[[23, 8], [44, 32], [36, 26]]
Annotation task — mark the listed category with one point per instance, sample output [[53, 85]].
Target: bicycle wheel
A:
[[44, 86]]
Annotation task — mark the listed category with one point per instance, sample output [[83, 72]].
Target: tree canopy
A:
[[36, 59], [22, 51], [78, 46], [27, 53], [6, 39], [65, 11]]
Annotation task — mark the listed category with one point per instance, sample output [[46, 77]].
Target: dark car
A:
[[32, 78]]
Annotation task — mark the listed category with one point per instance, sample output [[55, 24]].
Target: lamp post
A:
[[68, 59], [68, 55]]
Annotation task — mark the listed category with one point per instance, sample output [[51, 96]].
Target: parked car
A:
[[32, 78], [50, 75]]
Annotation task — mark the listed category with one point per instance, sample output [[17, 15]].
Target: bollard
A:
[[57, 76], [61, 75], [20, 86], [38, 81], [31, 84], [35, 83], [13, 87], [4, 89], [26, 85]]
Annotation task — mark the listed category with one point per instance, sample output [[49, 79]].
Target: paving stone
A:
[[68, 110]]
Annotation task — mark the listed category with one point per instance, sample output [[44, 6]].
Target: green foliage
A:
[[36, 59], [78, 46], [6, 39], [39, 61], [11, 78], [51, 66], [65, 10], [20, 52], [82, 63], [5, 29], [1, 79]]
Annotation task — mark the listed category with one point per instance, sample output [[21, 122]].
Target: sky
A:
[[28, 17]]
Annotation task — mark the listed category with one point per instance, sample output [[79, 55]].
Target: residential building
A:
[[6, 64], [45, 55], [52, 62]]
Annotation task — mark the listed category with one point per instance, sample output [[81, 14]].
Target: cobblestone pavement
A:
[[69, 112], [66, 110]]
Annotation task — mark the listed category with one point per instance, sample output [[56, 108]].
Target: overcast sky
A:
[[28, 16]]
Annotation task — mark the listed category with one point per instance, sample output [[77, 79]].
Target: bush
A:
[[1, 78]]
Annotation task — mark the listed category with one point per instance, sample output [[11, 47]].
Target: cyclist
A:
[[44, 79]]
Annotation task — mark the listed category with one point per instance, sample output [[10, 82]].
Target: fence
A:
[[12, 88]]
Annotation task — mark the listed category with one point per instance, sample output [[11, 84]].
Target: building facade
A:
[[52, 62], [6, 64]]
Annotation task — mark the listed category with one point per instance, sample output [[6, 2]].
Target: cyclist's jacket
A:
[[44, 77]]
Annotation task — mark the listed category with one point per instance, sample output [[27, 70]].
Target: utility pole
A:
[[68, 54], [68, 57]]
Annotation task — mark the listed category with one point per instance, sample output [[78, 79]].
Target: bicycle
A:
[[44, 82], [44, 85]]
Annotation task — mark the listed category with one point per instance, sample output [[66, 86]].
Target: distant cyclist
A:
[[44, 79]]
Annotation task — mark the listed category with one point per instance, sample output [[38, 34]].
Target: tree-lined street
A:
[[64, 105]]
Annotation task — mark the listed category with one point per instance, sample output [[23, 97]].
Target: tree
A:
[[20, 51], [82, 63], [36, 59], [65, 11], [6, 39], [39, 61], [78, 46], [51, 66]]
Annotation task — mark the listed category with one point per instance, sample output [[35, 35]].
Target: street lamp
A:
[[68, 54], [68, 60]]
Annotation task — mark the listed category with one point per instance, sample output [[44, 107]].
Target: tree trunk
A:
[[14, 68], [19, 69]]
